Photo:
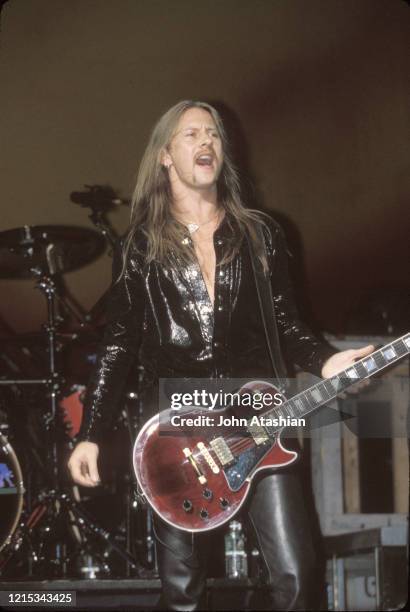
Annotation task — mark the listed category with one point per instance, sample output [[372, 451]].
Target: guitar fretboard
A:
[[324, 391]]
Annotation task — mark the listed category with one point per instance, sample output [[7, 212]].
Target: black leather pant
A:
[[277, 515]]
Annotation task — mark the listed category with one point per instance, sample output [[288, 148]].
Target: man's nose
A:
[[205, 138]]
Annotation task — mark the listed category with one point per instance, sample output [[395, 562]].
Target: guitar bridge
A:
[[188, 454]]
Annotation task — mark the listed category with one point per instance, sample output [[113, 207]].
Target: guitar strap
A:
[[266, 305]]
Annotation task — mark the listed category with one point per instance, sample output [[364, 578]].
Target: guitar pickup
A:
[[188, 454], [258, 434], [208, 457], [222, 451]]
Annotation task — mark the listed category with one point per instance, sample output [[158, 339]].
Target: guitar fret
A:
[[286, 409], [347, 378], [298, 401], [369, 364], [352, 373], [333, 385], [360, 368], [309, 399], [379, 359], [315, 393], [389, 353], [400, 347], [290, 407], [324, 391]]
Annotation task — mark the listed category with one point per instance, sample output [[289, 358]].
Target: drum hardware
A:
[[88, 562], [51, 507], [67, 305], [88, 568], [72, 409], [7, 382], [22, 534], [138, 530], [100, 199], [12, 490], [85, 523], [47, 250], [146, 539], [136, 501], [44, 253]]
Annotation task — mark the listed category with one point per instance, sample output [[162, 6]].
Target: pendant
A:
[[192, 227]]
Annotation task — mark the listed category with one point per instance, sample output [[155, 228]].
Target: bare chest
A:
[[205, 253]]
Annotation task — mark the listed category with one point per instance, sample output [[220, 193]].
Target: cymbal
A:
[[34, 250]]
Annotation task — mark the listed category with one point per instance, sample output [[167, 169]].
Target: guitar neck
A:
[[324, 391]]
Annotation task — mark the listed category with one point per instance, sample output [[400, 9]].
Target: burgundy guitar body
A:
[[197, 478]]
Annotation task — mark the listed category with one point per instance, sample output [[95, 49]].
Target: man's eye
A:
[[215, 134], [189, 134]]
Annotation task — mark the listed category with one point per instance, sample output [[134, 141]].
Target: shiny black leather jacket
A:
[[162, 316]]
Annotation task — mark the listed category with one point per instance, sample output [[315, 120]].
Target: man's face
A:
[[194, 156]]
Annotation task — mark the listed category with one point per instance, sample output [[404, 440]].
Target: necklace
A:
[[194, 227]]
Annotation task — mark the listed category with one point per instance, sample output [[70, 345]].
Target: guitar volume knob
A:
[[224, 503], [187, 505], [203, 514]]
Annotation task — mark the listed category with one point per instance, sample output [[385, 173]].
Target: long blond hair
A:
[[150, 212]]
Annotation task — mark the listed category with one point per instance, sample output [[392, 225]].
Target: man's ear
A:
[[165, 158]]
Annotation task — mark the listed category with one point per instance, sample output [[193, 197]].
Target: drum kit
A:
[[50, 527]]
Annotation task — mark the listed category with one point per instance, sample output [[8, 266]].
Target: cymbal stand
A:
[[136, 502], [54, 501], [101, 202], [99, 219], [47, 286]]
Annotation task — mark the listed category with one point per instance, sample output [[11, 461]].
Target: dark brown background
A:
[[321, 89]]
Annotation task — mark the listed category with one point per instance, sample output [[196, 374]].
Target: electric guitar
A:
[[197, 477]]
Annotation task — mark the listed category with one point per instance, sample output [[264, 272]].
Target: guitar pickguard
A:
[[237, 473]]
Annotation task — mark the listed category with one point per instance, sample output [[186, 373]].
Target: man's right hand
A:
[[83, 464]]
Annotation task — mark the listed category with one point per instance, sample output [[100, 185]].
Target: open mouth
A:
[[204, 160]]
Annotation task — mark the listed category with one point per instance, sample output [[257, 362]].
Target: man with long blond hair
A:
[[183, 303]]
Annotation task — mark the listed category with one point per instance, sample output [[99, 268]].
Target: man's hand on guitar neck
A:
[[83, 464], [344, 359]]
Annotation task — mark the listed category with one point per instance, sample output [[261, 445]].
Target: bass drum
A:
[[11, 492], [71, 405]]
